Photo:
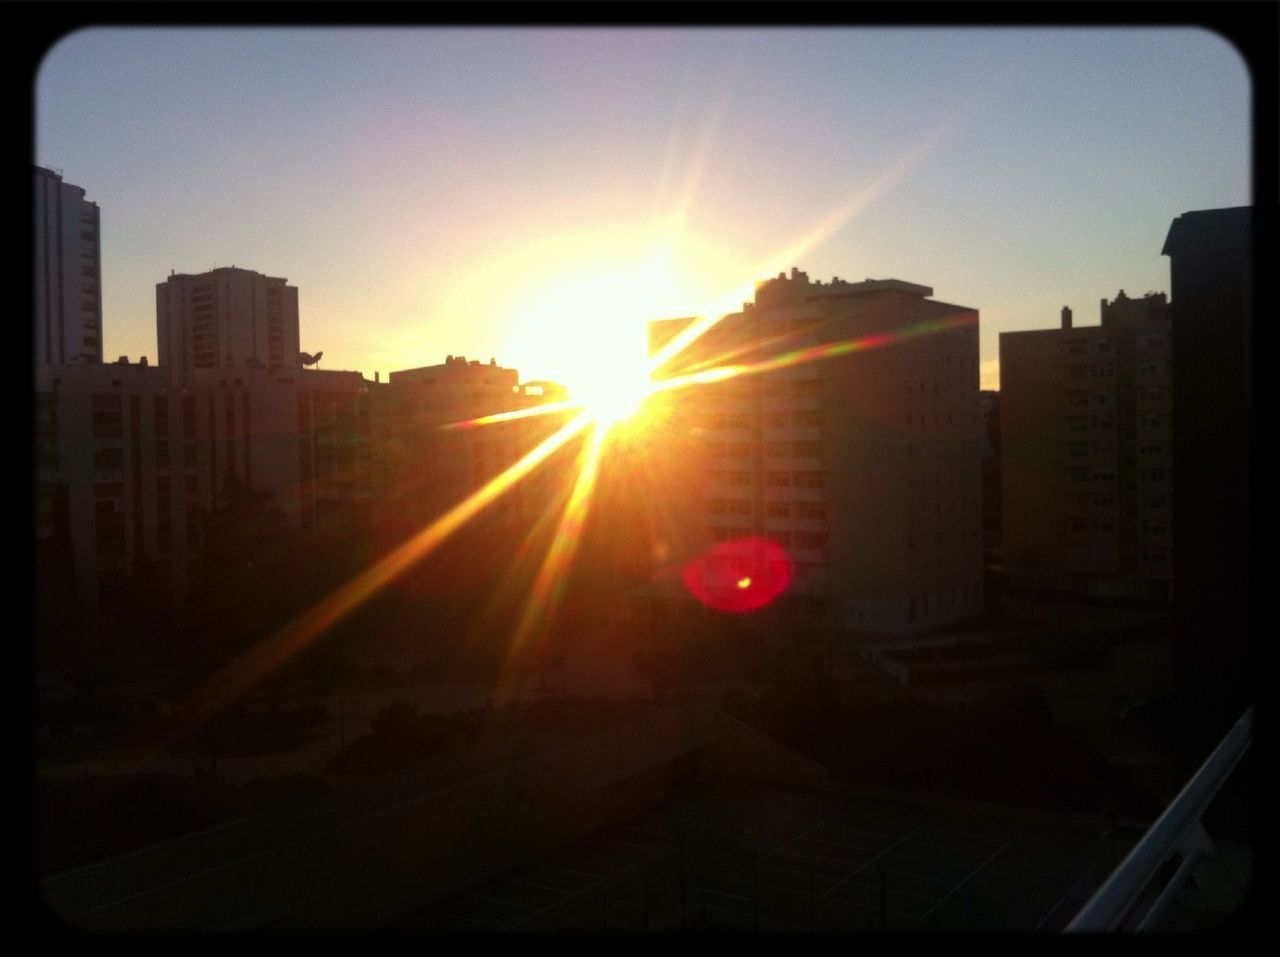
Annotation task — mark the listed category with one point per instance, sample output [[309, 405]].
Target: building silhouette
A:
[[68, 273], [1086, 458], [134, 461], [860, 459], [1210, 260]]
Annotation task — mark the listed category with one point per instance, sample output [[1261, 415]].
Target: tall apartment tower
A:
[[856, 450], [68, 273], [226, 318], [1086, 453]]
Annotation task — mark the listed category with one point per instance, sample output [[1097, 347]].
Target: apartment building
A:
[[427, 457], [68, 273], [853, 445], [129, 466], [226, 317], [1086, 453]]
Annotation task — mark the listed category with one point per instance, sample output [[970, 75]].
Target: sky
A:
[[534, 195]]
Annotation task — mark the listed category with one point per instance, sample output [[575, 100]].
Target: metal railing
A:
[[1176, 841]]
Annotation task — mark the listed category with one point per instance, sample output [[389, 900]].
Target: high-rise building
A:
[[226, 317], [853, 446], [1086, 453], [68, 273]]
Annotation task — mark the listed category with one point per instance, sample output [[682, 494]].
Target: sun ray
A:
[[845, 212], [810, 354], [545, 409], [548, 586], [286, 642], [266, 657]]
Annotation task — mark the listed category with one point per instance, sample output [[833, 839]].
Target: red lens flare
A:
[[739, 576]]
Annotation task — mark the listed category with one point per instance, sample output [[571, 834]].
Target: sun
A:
[[586, 327]]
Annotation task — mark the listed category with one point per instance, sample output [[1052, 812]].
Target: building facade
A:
[[130, 466], [227, 317], [428, 460], [1086, 453], [858, 455], [68, 273]]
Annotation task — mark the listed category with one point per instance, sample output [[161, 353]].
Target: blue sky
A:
[[445, 190]]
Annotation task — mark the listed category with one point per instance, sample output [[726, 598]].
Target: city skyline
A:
[[484, 191]]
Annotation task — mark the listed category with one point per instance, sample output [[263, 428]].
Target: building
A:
[[129, 466], [990, 456], [862, 464], [427, 462], [132, 460], [1087, 480], [1210, 260], [68, 273], [227, 317]]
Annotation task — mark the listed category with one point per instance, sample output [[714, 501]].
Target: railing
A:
[[1120, 904]]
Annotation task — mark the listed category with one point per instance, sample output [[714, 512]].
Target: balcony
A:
[[1141, 894]]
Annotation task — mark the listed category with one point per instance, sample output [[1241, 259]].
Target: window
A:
[[809, 480], [108, 458], [739, 478], [778, 509], [739, 507], [777, 450], [777, 480], [816, 540]]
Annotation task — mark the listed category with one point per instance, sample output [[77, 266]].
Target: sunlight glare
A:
[[588, 329]]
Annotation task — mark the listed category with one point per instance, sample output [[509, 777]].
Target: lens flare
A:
[[739, 576]]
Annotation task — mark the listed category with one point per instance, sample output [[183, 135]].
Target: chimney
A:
[[377, 376], [1066, 317]]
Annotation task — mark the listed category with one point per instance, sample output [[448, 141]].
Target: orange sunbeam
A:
[[723, 358], [811, 354], [548, 587], [545, 409], [266, 657], [822, 230]]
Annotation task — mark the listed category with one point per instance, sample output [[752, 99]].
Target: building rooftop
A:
[[1230, 228]]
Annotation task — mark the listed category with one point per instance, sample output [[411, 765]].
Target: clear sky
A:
[[532, 194]]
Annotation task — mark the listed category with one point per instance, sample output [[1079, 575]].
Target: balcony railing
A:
[[1122, 901]]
